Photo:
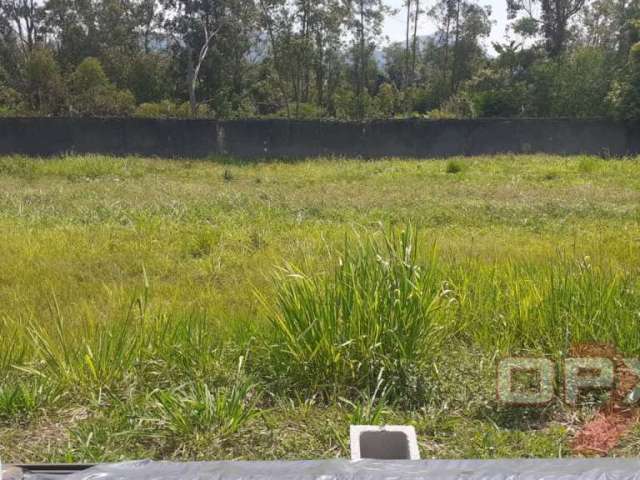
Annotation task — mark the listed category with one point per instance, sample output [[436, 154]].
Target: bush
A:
[[164, 109], [113, 102], [457, 106], [147, 78], [168, 109], [625, 93], [496, 94], [386, 100], [307, 111], [10, 101], [350, 106], [374, 315], [438, 114], [93, 95], [453, 166], [45, 90], [88, 77]]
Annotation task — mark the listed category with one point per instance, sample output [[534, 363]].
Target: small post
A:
[[388, 442]]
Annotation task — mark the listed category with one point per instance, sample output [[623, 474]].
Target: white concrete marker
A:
[[389, 442]]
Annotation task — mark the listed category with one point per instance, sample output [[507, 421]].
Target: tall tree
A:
[[366, 23], [610, 25], [26, 19], [195, 25], [553, 17], [414, 43], [462, 24], [405, 69]]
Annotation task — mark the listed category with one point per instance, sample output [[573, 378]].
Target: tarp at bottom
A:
[[525, 469]]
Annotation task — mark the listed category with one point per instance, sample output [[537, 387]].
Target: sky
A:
[[394, 25]]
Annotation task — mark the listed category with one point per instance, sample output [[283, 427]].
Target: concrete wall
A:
[[286, 139]]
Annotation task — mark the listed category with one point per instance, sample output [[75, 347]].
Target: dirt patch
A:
[[615, 418]]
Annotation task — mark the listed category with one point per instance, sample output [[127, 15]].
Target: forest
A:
[[308, 59]]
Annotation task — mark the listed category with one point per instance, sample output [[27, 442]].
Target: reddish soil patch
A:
[[615, 418]]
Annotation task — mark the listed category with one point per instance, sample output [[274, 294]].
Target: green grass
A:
[[371, 318], [219, 309]]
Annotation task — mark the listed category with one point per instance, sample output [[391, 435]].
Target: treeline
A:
[[317, 59]]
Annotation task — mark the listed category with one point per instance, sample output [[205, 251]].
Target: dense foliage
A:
[[317, 59]]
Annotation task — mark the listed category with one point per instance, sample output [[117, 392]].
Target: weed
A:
[[588, 164], [454, 166], [373, 312], [196, 408], [371, 408]]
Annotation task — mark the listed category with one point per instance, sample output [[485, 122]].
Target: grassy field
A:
[[222, 310]]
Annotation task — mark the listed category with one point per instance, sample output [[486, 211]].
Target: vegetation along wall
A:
[[287, 139]]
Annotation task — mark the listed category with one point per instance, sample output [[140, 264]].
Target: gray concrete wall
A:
[[291, 139]]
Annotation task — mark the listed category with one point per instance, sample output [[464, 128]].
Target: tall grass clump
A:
[[196, 408], [88, 357], [588, 164], [372, 317], [454, 166], [548, 307]]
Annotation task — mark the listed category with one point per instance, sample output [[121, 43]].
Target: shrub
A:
[[438, 114], [196, 409], [114, 102], [386, 100], [10, 101], [336, 333], [453, 166], [301, 110], [168, 109], [496, 94], [348, 105], [588, 165], [93, 95], [625, 94], [147, 77], [45, 91], [163, 109], [457, 106], [88, 77]]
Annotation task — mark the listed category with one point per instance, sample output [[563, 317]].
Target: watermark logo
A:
[[531, 382]]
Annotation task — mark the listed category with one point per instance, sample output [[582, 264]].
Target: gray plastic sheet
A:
[[526, 469]]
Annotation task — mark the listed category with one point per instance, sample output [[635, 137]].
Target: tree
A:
[[387, 99], [10, 100], [9, 51], [395, 63], [625, 94], [366, 22], [74, 26], [26, 19], [305, 41], [610, 26], [553, 19], [581, 81], [92, 94], [278, 23], [147, 77], [461, 26], [410, 49], [329, 64], [414, 43], [43, 82], [195, 25], [405, 62]]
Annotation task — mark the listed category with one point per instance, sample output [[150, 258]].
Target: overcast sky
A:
[[394, 26]]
